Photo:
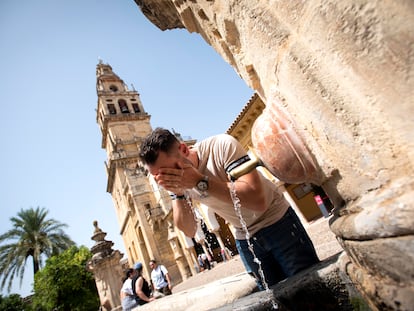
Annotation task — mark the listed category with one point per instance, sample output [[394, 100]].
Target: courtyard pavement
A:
[[209, 289], [228, 281]]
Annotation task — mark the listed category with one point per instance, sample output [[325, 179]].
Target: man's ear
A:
[[184, 149]]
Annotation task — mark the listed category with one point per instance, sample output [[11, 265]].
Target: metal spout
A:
[[245, 167]]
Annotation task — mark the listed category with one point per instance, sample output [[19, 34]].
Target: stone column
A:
[[107, 270], [179, 257]]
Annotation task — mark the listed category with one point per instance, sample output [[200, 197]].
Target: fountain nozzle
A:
[[251, 161]]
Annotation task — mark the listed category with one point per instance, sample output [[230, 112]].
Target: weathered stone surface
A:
[[162, 13], [380, 257], [385, 212], [383, 294], [321, 287]]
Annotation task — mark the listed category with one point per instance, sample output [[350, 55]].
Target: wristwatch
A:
[[202, 186]]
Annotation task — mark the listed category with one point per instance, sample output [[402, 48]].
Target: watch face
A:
[[202, 185]]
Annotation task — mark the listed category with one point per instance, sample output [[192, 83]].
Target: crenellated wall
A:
[[337, 78]]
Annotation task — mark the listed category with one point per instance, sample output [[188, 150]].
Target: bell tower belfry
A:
[[143, 210], [120, 115]]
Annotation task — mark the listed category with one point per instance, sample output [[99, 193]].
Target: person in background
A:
[[128, 301], [200, 262], [160, 279], [206, 261], [223, 254], [201, 172], [140, 286]]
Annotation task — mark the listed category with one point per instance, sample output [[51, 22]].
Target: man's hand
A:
[[177, 180]]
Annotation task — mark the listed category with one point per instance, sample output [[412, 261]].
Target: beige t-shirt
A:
[[215, 154]]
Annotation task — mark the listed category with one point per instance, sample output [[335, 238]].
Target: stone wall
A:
[[337, 81]]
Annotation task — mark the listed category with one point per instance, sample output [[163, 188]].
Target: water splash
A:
[[196, 212], [198, 218], [237, 208]]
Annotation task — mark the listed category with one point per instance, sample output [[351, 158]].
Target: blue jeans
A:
[[283, 249]]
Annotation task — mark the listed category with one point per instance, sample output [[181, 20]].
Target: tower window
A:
[[123, 106], [113, 88], [136, 108], [111, 108]]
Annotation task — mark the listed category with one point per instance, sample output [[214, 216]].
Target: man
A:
[[140, 287], [206, 262], [281, 245], [160, 279]]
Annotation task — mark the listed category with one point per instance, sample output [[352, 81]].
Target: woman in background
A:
[[128, 301]]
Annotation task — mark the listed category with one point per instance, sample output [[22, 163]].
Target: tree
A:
[[13, 303], [65, 283], [33, 235]]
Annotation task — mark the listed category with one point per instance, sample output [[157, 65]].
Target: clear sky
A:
[[51, 152]]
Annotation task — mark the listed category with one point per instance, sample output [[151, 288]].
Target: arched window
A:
[[136, 108], [111, 109], [123, 106]]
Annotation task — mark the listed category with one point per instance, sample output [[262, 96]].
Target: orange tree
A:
[[65, 284]]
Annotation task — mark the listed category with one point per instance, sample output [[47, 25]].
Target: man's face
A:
[[166, 160], [152, 265]]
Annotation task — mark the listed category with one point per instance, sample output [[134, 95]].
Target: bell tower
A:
[[143, 210], [120, 115]]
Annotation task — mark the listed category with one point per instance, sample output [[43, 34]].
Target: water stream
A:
[[237, 208]]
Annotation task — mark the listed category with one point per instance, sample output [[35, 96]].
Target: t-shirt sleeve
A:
[[230, 149]]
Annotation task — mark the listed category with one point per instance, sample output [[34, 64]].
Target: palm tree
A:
[[32, 235]]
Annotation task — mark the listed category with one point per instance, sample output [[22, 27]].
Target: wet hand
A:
[[178, 179], [170, 179]]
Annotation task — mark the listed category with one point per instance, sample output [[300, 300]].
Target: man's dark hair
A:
[[160, 139]]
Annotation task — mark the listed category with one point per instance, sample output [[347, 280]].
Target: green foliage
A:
[[359, 304], [13, 303], [32, 235], [65, 284]]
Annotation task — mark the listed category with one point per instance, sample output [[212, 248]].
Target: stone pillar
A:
[[179, 257], [107, 270], [337, 78], [189, 252]]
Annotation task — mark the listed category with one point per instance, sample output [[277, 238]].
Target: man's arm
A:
[[249, 189], [140, 293], [184, 217]]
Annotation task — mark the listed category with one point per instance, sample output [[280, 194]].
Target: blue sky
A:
[[51, 152]]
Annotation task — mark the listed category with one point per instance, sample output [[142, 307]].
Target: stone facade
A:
[[337, 81]]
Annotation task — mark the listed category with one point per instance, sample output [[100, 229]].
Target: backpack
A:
[[163, 276]]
